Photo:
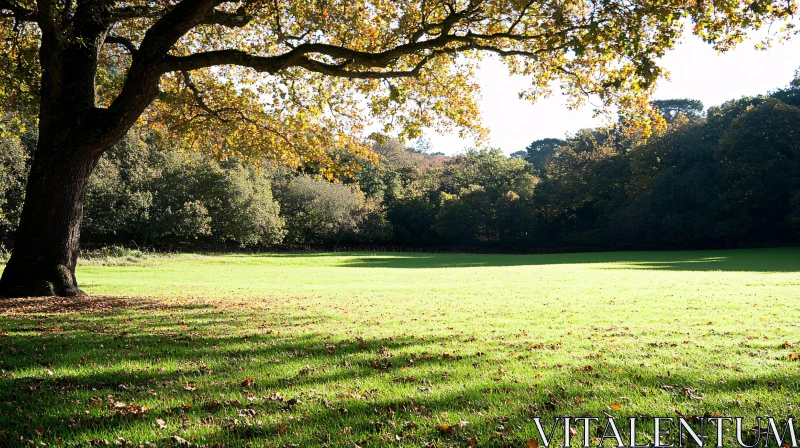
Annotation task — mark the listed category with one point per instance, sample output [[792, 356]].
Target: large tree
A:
[[286, 80]]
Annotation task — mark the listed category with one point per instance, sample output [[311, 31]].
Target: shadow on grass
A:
[[75, 370], [747, 260], [99, 366]]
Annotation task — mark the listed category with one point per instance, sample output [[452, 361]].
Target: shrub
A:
[[317, 211], [142, 193]]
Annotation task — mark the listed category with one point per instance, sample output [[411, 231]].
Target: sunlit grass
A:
[[383, 349]]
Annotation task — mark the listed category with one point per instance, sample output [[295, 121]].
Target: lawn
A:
[[397, 349]]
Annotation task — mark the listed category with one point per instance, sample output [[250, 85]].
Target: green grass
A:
[[384, 349]]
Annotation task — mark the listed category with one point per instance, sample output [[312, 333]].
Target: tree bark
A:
[[46, 247], [72, 137]]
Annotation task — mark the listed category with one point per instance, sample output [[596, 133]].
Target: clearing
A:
[[397, 349]]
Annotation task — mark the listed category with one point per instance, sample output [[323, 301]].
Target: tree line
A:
[[729, 177]]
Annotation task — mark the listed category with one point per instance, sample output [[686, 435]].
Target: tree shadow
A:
[[86, 304], [745, 260], [81, 367], [75, 371]]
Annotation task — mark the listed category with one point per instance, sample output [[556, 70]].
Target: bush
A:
[[138, 192], [317, 211]]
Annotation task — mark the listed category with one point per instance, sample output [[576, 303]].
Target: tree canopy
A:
[[284, 80]]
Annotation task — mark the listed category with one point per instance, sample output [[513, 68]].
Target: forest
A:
[[724, 177]]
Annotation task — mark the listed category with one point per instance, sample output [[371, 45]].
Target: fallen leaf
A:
[[248, 413], [181, 442]]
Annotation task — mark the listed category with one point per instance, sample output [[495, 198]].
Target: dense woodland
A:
[[725, 177]]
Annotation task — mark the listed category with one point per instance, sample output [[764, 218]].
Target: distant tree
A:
[[759, 155], [661, 153], [393, 152], [119, 200], [791, 94], [519, 155], [489, 168], [319, 211], [540, 152], [672, 191], [467, 217], [421, 146], [413, 219], [582, 186], [674, 108], [476, 189]]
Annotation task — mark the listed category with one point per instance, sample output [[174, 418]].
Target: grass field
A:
[[397, 349]]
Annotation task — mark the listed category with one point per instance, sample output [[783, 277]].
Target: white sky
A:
[[696, 71]]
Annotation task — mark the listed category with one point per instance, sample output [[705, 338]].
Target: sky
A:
[[696, 71]]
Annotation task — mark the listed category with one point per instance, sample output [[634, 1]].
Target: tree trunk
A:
[[74, 133], [46, 247]]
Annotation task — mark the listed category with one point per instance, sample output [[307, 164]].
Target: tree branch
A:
[[198, 96], [173, 25], [123, 41], [141, 84], [298, 57], [231, 20], [273, 64], [136, 12], [448, 36]]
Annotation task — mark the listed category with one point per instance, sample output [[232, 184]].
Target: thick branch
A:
[[137, 12], [141, 84], [273, 64], [299, 56], [173, 25], [123, 41], [232, 20]]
